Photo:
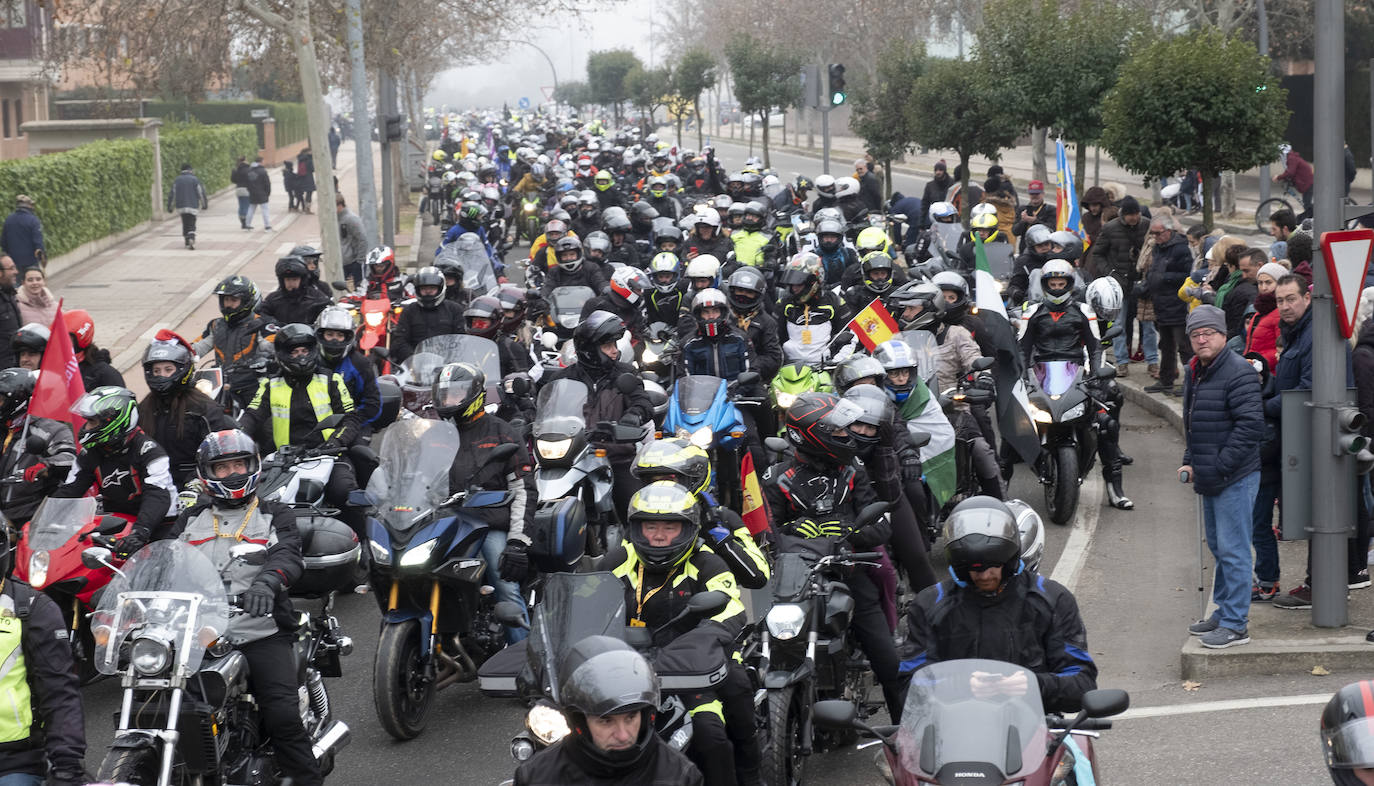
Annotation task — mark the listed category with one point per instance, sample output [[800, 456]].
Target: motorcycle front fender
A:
[[398, 616], [556, 483], [135, 739], [779, 679]]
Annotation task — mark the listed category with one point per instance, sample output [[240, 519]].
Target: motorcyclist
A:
[[607, 193], [93, 361], [705, 237], [294, 299], [747, 292], [642, 215], [1057, 328], [666, 237], [542, 254], [588, 217], [752, 239], [41, 471], [836, 256], [615, 391], [174, 413], [667, 300], [717, 347], [1108, 302], [849, 201], [878, 276], [610, 696], [311, 256], [28, 344], [941, 236], [810, 314], [471, 218], [1037, 253], [338, 354], [993, 607], [616, 223], [241, 350], [130, 470], [383, 276], [460, 395], [484, 317], [287, 410], [432, 314], [658, 196], [230, 513], [983, 225], [872, 240], [624, 297], [819, 490], [572, 269], [662, 551]]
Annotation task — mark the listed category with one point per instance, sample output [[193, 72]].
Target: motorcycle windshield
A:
[[923, 345], [559, 412], [57, 520], [435, 352], [412, 480], [973, 714], [168, 593], [574, 606], [565, 304], [471, 257], [1056, 376], [696, 394]]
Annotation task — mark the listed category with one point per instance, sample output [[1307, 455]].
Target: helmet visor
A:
[[1350, 745], [843, 415]]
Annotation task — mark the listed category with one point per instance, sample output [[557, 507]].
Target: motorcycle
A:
[[422, 367], [982, 721], [427, 564], [530, 219], [1063, 414], [794, 379], [187, 715], [469, 254], [705, 411], [435, 195], [377, 315], [564, 314]]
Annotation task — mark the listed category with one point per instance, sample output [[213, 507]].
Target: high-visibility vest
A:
[[279, 399]]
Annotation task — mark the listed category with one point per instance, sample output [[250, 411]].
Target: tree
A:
[[1203, 101], [574, 94], [880, 107], [766, 77], [649, 89], [958, 105], [695, 73], [606, 72]]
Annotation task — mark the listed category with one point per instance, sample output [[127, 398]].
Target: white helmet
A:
[[704, 266], [939, 210], [981, 208], [1056, 268], [1105, 296], [825, 184], [845, 187]]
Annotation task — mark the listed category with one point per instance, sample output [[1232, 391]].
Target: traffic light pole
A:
[[386, 107], [1333, 476], [825, 138]]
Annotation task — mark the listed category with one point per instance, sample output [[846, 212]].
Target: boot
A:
[[1116, 497], [991, 486]]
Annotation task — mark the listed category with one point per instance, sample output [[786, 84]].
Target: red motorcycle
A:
[[981, 722], [48, 557], [375, 316]]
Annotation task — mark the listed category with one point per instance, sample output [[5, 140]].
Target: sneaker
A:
[[1360, 581], [1158, 387], [1138, 356], [1203, 627], [1123, 370], [1221, 638], [1264, 592], [1176, 391], [1300, 597], [1153, 370]]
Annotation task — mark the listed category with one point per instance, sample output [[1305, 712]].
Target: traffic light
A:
[[1350, 439], [837, 91], [392, 130]]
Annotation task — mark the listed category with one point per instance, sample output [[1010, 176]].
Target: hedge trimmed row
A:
[[86, 193], [290, 119], [210, 150]]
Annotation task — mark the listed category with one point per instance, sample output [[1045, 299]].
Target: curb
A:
[[417, 238]]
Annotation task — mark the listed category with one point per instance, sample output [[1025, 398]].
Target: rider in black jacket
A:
[[430, 315], [1057, 328], [176, 415], [295, 299]]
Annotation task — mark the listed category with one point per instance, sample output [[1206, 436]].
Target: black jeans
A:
[[869, 628], [1175, 351], [188, 225], [342, 481], [272, 678]]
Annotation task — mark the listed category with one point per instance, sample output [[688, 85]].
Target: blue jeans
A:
[[21, 779], [1266, 545], [243, 218], [1149, 344], [1227, 519], [492, 546]]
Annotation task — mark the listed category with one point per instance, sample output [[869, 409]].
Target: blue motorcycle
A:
[[705, 411], [427, 571]]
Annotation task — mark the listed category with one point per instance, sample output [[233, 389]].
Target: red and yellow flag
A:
[[873, 325], [754, 515]]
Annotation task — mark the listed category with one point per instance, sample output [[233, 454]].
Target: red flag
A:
[[874, 325], [59, 383], [754, 515]]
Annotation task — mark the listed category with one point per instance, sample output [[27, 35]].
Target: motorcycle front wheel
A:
[[400, 688], [1061, 493], [783, 763], [135, 766]]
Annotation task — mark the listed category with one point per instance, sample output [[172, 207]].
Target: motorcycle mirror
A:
[[748, 379], [549, 340], [339, 285], [96, 557], [35, 445], [982, 364], [510, 614], [1106, 372], [775, 444], [835, 714], [705, 603], [628, 383], [1105, 702], [502, 453], [382, 353], [249, 553], [111, 525], [920, 439], [871, 513]]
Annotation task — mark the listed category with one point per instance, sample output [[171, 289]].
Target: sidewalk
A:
[[1282, 642]]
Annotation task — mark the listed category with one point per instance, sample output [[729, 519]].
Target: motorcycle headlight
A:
[[529, 208], [150, 656], [786, 400], [785, 621], [374, 318], [1040, 415], [553, 448], [38, 569], [419, 555], [1076, 411], [650, 356], [546, 723], [381, 555], [703, 437]]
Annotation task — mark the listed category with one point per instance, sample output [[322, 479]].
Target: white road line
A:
[[1084, 525], [1262, 702]]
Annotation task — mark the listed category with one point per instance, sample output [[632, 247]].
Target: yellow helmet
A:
[[871, 239], [984, 221], [676, 459], [440, 155], [663, 503]]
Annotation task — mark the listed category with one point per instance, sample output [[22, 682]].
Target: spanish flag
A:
[[873, 325], [754, 515]]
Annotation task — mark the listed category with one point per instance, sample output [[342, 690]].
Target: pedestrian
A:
[[188, 197], [870, 186], [22, 235], [1262, 324], [1282, 225], [936, 189], [9, 311], [1035, 211], [1239, 293], [291, 185], [239, 177], [1097, 211], [1115, 254], [1296, 173], [1224, 425], [36, 301], [353, 242], [305, 183], [259, 191], [1170, 263], [334, 141]]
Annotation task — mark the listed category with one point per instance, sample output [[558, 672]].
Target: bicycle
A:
[[1274, 204]]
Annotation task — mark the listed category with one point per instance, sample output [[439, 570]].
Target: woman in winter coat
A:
[[36, 302], [1262, 323], [305, 174]]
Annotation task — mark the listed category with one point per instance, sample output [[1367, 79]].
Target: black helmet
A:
[[1347, 740], [878, 410], [571, 247], [219, 446], [981, 533], [917, 293], [471, 215], [814, 424], [604, 676], [307, 253], [483, 316], [746, 289], [857, 367], [334, 318], [600, 327], [173, 352], [292, 267], [877, 267], [642, 213], [295, 336], [664, 501], [429, 276], [512, 299], [111, 414], [666, 233], [32, 337], [242, 288], [460, 392], [16, 388], [675, 459]]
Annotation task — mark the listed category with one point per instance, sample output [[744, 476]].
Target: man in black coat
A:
[[259, 184], [935, 191], [9, 311], [1169, 267], [870, 186]]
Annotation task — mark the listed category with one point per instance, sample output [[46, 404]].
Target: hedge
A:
[[86, 193], [210, 150], [291, 125]]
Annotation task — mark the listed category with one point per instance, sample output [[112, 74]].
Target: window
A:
[[19, 115], [14, 13], [5, 112]]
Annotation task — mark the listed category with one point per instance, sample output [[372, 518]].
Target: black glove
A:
[[514, 564], [131, 543], [259, 600], [630, 419]]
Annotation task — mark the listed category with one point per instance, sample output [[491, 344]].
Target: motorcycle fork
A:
[[433, 624]]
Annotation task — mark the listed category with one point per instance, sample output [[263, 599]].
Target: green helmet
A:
[[111, 414]]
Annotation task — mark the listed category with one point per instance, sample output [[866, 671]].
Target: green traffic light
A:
[[836, 99]]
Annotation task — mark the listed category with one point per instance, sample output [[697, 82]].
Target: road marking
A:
[[1262, 702], [1075, 551]]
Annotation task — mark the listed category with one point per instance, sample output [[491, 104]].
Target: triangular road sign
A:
[[1347, 258], [548, 92]]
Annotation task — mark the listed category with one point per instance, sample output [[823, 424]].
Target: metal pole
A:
[[1332, 475], [1264, 50], [825, 139], [1371, 129], [362, 137], [546, 57], [386, 105], [1203, 594]]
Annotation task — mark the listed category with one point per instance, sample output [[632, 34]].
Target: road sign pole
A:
[[825, 121], [1333, 491]]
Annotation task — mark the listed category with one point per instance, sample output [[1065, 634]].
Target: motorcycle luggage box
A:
[[390, 391], [496, 677], [331, 553], [558, 537]]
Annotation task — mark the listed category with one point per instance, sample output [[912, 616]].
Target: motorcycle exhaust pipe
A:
[[334, 738]]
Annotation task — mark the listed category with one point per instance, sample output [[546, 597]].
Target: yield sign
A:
[[1347, 258], [548, 92]]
